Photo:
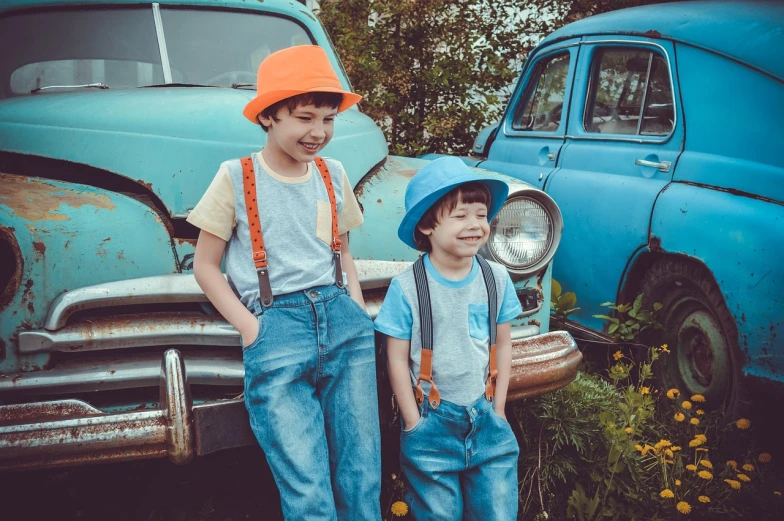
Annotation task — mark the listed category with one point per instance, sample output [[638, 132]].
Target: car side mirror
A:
[[484, 139]]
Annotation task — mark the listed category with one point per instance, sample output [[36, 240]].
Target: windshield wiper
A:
[[177, 85], [85, 86], [243, 85]]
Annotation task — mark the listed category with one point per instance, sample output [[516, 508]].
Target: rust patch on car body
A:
[[36, 200]]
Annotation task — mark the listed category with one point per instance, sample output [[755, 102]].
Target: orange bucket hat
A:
[[292, 71]]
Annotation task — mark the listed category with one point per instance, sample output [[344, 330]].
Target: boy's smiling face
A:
[[460, 233], [297, 136]]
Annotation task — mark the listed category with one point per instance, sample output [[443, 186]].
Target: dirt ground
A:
[[232, 485]]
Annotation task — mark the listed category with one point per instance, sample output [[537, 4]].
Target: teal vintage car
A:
[[114, 117]]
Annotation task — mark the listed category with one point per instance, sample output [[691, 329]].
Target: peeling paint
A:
[[36, 200]]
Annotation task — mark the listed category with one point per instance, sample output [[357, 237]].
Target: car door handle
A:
[[663, 166]]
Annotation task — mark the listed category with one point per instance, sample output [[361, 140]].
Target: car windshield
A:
[[118, 47]]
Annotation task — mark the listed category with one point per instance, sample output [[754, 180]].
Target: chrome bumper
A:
[[71, 432]]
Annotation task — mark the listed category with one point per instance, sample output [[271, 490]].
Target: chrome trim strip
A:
[[652, 139], [71, 432], [178, 289], [523, 332], [156, 14], [222, 368], [131, 331], [138, 330]]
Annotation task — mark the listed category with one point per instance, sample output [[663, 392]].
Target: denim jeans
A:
[[310, 391], [460, 462]]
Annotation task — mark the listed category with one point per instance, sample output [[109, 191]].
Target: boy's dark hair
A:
[[317, 99], [467, 193]]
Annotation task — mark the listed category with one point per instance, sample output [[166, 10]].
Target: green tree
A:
[[435, 72]]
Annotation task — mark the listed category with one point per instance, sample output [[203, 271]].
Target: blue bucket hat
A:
[[434, 181]]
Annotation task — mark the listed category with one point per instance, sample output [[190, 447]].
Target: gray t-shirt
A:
[[296, 222], [461, 330]]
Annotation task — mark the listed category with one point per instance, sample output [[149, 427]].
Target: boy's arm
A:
[[397, 359], [503, 356], [206, 269], [354, 289]]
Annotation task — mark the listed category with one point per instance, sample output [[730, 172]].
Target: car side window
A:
[[543, 102], [630, 93]]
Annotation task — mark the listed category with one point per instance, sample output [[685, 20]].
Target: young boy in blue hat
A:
[[281, 217], [449, 350]]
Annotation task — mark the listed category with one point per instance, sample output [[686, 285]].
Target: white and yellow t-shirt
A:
[[296, 222]]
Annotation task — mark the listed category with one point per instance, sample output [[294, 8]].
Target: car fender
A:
[[64, 236], [743, 252]]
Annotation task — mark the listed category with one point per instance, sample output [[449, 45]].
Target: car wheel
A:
[[701, 335]]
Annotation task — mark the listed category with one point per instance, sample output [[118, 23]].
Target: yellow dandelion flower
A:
[[732, 464], [645, 390], [703, 499], [743, 424], [694, 421], [646, 449], [683, 507], [707, 464], [676, 448], [638, 447], [691, 467], [664, 443], [777, 493], [704, 474], [665, 348], [744, 477], [748, 467], [667, 494], [628, 430], [673, 393], [677, 483], [733, 483], [618, 355], [679, 417], [686, 404], [669, 462], [700, 412], [695, 443], [764, 457], [399, 508], [669, 453], [701, 437], [700, 449], [698, 398]]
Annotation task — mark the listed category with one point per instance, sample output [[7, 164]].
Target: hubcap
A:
[[703, 359]]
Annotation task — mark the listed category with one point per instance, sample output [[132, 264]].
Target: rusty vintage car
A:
[[114, 116]]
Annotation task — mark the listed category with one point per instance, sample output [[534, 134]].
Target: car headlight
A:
[[525, 234]]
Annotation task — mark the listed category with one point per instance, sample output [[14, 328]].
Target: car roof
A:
[[751, 32], [266, 5]]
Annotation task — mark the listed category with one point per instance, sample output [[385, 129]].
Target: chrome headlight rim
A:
[[547, 203]]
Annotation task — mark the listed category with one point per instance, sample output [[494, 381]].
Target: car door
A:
[[624, 135], [534, 128]]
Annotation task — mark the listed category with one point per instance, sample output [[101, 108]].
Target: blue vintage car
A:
[[114, 117], [657, 130]]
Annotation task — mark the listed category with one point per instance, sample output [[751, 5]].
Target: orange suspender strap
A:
[[257, 238], [426, 336], [426, 332], [254, 225], [324, 171], [492, 317]]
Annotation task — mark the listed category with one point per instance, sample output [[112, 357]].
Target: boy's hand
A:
[[408, 425]]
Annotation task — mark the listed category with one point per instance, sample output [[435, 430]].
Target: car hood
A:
[[171, 140]]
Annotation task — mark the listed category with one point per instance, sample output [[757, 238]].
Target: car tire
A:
[[701, 335]]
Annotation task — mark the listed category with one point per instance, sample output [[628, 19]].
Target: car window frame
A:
[[588, 84], [525, 88]]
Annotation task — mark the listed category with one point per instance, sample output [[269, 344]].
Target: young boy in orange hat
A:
[[279, 220]]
